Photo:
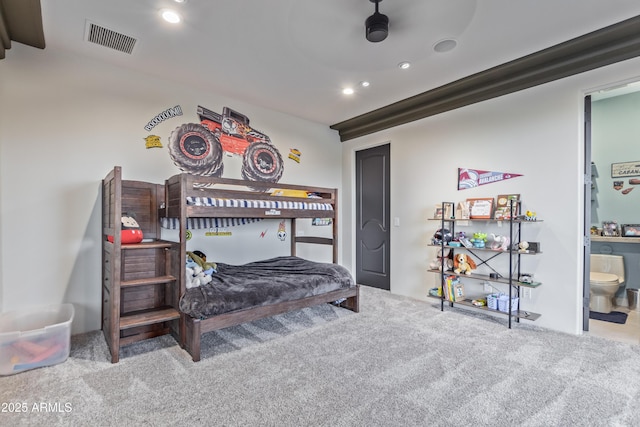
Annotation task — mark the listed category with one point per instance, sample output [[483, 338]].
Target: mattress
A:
[[260, 283]]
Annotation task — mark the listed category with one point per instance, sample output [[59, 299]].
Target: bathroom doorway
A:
[[610, 121]]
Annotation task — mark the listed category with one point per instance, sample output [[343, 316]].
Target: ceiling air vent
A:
[[109, 38]]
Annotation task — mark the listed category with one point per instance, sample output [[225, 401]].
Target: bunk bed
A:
[[189, 198]]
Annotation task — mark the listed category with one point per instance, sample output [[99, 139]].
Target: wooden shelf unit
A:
[[140, 290]]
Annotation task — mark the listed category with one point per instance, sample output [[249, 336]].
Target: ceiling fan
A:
[[377, 25]]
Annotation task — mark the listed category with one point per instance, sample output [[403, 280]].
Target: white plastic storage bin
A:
[[503, 303], [35, 337]]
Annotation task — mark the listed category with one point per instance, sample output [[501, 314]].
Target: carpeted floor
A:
[[399, 362]]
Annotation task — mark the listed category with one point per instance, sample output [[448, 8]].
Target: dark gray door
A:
[[372, 217]]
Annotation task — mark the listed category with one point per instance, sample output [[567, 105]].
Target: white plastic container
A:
[[35, 337], [503, 303]]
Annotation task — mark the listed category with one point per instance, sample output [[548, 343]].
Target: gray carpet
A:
[[399, 362]]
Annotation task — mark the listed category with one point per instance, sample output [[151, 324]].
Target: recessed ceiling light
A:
[[445, 45], [364, 83], [180, 1], [347, 91], [404, 65], [170, 16]]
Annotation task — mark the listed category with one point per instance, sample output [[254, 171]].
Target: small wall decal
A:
[[294, 154], [321, 221], [218, 232], [153, 141], [470, 178], [282, 231], [166, 114], [264, 233]]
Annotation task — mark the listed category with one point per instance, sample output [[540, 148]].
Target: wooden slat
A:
[[148, 317], [148, 281]]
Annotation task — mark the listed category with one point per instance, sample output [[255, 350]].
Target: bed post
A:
[[294, 237], [335, 226], [192, 337]]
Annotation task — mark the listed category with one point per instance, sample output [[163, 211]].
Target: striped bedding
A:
[[261, 204], [204, 223]]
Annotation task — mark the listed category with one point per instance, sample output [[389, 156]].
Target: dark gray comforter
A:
[[271, 281]]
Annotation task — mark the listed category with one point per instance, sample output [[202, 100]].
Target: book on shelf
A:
[[453, 289]]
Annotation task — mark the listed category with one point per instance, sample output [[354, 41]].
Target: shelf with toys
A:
[[486, 257]]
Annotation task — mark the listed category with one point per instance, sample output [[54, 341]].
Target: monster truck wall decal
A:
[[197, 148]]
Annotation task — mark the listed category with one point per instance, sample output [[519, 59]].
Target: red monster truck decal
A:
[[197, 148]]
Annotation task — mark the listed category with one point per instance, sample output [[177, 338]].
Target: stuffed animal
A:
[[131, 232], [198, 271], [479, 240], [463, 264], [499, 243], [196, 277], [437, 263]]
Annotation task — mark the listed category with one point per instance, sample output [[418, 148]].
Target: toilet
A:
[[605, 278]]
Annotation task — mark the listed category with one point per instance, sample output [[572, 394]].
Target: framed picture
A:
[[480, 208], [462, 211], [439, 211], [503, 206], [630, 230], [610, 229]]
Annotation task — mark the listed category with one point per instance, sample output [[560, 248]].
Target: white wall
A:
[[537, 133], [66, 122]]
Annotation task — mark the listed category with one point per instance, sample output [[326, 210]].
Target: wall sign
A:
[[624, 169]]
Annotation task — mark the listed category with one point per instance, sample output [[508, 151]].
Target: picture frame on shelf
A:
[[462, 210], [630, 230], [481, 208], [439, 212], [610, 229], [503, 206]]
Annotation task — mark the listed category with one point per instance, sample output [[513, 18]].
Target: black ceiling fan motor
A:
[[377, 25]]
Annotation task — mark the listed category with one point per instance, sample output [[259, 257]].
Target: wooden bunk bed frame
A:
[[179, 187]]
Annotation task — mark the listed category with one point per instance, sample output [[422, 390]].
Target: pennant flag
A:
[[470, 178]]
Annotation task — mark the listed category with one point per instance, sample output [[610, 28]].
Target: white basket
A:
[[492, 301], [503, 303]]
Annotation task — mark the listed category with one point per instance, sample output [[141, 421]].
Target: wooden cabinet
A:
[[140, 290]]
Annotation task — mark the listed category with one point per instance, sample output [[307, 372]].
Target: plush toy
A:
[[441, 235], [198, 272], [499, 243], [201, 260], [131, 232], [463, 264], [479, 240], [437, 263], [196, 277]]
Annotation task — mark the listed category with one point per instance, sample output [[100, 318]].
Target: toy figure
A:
[[463, 264]]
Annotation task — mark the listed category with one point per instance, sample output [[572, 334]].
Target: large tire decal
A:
[[262, 162], [196, 150]]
